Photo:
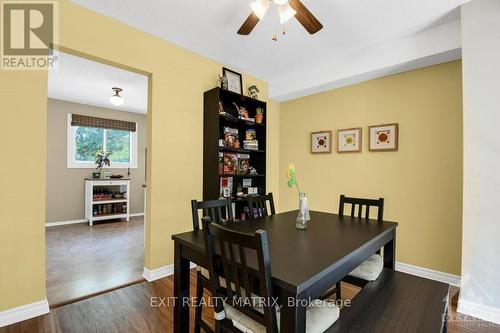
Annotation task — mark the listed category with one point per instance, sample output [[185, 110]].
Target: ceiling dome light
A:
[[260, 7], [116, 99], [286, 12], [280, 2]]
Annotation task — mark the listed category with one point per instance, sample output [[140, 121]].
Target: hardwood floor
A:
[[143, 308], [83, 260]]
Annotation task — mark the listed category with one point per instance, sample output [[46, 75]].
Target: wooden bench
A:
[[396, 302]]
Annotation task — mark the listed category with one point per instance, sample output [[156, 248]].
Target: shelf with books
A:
[[227, 161], [242, 176], [241, 151]]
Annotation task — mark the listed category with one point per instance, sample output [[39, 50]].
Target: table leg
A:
[[181, 291], [390, 253], [293, 314]]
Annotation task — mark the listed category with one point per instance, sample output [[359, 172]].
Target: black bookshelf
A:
[[213, 130]]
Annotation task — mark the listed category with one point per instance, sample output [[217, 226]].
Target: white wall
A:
[[480, 294]]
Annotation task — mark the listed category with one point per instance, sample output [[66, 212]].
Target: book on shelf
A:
[[243, 164], [226, 187], [221, 163], [246, 182], [230, 136], [250, 134], [251, 144], [230, 163]]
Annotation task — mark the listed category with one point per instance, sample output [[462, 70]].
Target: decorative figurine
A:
[[243, 112], [224, 83], [221, 107], [253, 91], [252, 171]]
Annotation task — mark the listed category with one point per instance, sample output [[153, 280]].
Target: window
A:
[[84, 142]]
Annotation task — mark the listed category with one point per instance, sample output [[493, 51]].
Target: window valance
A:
[[88, 121]]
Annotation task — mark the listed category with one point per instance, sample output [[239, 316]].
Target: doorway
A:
[[95, 217]]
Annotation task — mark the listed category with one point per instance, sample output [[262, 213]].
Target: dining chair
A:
[[252, 307], [257, 205], [360, 203], [219, 211], [370, 269]]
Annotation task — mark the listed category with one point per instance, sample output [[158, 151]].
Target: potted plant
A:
[[102, 159], [259, 115]]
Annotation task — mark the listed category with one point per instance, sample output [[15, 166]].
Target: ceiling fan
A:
[[286, 10]]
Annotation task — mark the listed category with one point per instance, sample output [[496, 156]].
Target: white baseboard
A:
[[159, 273], [54, 224], [23, 312], [479, 311], [428, 273]]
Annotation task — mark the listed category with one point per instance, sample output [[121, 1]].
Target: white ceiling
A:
[[85, 81], [360, 37]]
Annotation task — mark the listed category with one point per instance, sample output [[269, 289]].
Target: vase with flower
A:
[[303, 217]]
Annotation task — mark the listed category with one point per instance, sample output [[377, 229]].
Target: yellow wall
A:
[[23, 106], [422, 182], [178, 80]]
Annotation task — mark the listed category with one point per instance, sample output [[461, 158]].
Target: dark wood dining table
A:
[[304, 263]]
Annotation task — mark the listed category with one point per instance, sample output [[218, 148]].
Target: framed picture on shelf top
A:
[[349, 140], [234, 80], [384, 137], [321, 142]]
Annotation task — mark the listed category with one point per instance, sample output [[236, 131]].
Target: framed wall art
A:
[[384, 137], [234, 80], [349, 140], [321, 142]]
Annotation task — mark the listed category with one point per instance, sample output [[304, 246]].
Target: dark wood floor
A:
[[83, 260], [130, 310]]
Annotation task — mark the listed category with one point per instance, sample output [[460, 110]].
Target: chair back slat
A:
[[234, 249], [227, 272], [257, 205], [219, 211], [246, 279], [359, 204]]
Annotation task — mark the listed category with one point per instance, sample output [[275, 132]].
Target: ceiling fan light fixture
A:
[[286, 12], [116, 99], [280, 2], [260, 7]]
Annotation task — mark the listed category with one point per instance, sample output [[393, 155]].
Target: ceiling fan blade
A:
[[305, 17], [249, 24]]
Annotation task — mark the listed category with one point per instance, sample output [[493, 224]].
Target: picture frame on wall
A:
[[384, 137], [321, 142], [349, 140], [234, 80]]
